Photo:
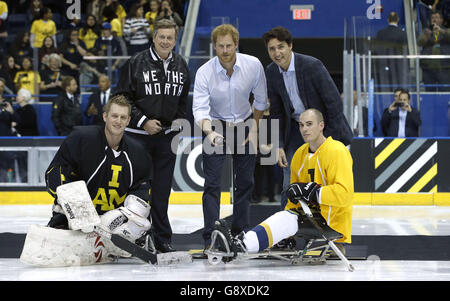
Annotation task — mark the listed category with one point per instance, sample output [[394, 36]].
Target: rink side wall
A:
[[387, 171]]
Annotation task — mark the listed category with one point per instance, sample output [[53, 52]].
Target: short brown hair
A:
[[279, 33], [65, 82], [165, 23], [118, 99], [223, 30]]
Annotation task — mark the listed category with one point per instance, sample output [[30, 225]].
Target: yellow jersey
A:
[[42, 29], [330, 166], [25, 79], [89, 38], [150, 17], [3, 7], [116, 26]]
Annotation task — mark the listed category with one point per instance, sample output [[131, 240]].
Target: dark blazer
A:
[[66, 114], [392, 37], [389, 123], [317, 90], [95, 99]]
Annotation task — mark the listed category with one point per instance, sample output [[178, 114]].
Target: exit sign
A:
[[301, 14]]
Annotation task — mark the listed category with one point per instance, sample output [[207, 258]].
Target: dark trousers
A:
[[295, 141], [243, 168], [163, 161]]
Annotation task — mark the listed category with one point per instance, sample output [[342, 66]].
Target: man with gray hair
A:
[[156, 83]]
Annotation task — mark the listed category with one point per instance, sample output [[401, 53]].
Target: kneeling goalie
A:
[[321, 176], [95, 167]]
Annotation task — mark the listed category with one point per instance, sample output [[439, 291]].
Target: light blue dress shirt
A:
[[218, 96], [401, 122], [290, 82]]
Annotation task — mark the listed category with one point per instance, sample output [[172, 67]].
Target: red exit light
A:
[[301, 14]]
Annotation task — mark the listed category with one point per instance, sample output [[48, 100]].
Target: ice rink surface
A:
[[367, 220]]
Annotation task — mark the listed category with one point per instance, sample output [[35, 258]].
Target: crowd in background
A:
[[27, 58]]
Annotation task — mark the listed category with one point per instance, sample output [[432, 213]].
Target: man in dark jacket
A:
[[112, 164], [295, 83], [98, 99], [435, 40], [400, 119], [156, 83], [66, 111], [391, 40]]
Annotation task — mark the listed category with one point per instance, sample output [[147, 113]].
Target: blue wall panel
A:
[[327, 20], [434, 113]]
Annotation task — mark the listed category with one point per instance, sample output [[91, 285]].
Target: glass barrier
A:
[[24, 166], [416, 59]]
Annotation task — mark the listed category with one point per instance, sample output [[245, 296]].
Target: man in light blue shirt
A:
[[221, 107]]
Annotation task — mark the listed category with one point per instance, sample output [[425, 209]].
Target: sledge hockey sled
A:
[[319, 238]]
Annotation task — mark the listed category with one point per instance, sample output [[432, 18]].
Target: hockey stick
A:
[[128, 246], [338, 252], [134, 249], [145, 255]]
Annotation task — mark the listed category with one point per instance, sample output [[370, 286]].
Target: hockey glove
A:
[[305, 191]]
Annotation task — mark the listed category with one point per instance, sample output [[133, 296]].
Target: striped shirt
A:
[[141, 35]]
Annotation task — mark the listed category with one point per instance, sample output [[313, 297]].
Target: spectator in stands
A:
[[3, 26], [42, 28], [73, 51], [48, 48], [66, 111], [27, 118], [391, 40], [98, 99], [7, 115], [95, 8], [111, 17], [8, 73], [435, 41], [51, 77], [69, 24], [445, 9], [27, 78], [136, 30], [34, 12], [152, 13], [400, 119], [90, 32], [107, 39], [21, 48], [179, 7], [89, 70], [118, 10], [166, 12]]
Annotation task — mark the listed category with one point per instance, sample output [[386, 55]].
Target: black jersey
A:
[[153, 92], [110, 175]]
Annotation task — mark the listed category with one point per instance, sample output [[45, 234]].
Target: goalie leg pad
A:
[[49, 247], [77, 205]]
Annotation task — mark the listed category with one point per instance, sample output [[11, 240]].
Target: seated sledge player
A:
[[321, 174], [112, 164]]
